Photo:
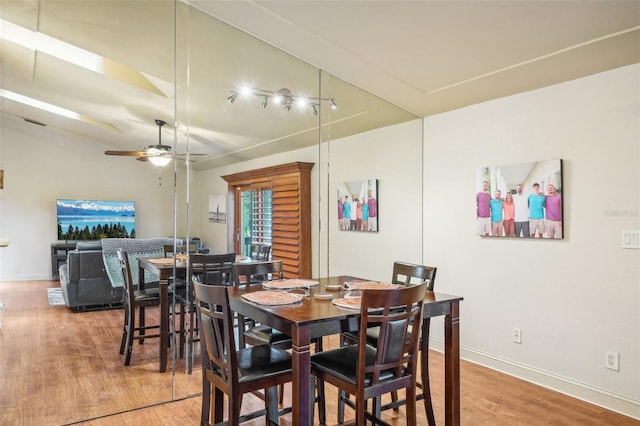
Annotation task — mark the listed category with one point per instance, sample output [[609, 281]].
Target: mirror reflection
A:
[[160, 60]]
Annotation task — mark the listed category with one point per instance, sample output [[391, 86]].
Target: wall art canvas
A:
[[217, 208], [520, 200], [358, 206]]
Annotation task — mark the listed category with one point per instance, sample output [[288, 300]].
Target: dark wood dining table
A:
[[164, 269], [316, 318]]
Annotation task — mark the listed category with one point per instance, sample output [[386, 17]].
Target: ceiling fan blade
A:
[[126, 153]]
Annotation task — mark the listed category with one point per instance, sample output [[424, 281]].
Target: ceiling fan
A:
[[159, 155]]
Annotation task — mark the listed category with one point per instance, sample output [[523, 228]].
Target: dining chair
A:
[[135, 299], [254, 273], [209, 269], [404, 274], [259, 251], [170, 250], [233, 372], [368, 371]]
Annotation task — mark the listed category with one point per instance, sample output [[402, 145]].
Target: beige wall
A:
[[574, 299]]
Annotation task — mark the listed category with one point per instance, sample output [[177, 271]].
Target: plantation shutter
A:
[[290, 212]]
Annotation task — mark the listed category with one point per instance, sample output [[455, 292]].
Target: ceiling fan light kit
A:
[[283, 97], [158, 155]]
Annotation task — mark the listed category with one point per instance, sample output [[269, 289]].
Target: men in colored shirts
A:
[[553, 208], [536, 212], [483, 214], [353, 214], [347, 212], [372, 222], [358, 215], [521, 213], [340, 213], [495, 205], [365, 215], [507, 220]]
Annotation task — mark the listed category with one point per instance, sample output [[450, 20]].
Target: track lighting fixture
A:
[[283, 97]]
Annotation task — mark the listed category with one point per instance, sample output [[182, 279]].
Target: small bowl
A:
[[323, 296]]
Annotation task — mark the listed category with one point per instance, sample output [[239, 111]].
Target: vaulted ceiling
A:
[[384, 62]]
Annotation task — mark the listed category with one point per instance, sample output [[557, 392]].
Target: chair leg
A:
[[426, 392], [131, 329], [206, 399], [341, 397], [141, 323], [123, 341], [181, 331], [272, 405]]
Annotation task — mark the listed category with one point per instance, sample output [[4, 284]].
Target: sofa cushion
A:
[[135, 247]]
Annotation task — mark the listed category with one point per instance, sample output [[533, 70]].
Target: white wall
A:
[[42, 165], [392, 155], [576, 298]]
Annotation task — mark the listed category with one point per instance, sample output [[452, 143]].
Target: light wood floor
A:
[[58, 367]]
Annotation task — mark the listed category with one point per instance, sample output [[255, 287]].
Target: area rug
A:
[[54, 294]]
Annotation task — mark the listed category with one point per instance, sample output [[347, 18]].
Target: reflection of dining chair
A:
[[135, 299], [255, 273], [170, 250], [369, 371], [405, 274], [231, 372], [259, 251], [210, 269]]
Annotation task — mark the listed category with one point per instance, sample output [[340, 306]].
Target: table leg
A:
[[301, 383], [452, 366]]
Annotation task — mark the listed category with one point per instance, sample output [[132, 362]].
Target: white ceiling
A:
[[424, 57], [434, 56]]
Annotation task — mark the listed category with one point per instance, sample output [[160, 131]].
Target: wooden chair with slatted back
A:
[[368, 371], [405, 274], [209, 269], [135, 299], [260, 251], [234, 372]]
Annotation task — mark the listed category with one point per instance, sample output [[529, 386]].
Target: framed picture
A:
[[217, 208], [520, 200], [358, 206]]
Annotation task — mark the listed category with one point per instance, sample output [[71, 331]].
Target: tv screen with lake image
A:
[[94, 219]]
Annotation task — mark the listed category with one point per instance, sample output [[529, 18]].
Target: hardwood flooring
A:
[[58, 367]]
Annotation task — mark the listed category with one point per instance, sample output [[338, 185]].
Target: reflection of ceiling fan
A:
[[159, 155]]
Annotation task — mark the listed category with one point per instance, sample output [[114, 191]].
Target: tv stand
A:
[[59, 256]]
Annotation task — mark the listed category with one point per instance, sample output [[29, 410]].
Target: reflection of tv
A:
[[94, 219]]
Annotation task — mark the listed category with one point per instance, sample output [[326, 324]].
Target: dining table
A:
[[315, 317], [165, 268]]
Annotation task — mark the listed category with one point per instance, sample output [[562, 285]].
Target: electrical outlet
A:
[[611, 360], [517, 335]]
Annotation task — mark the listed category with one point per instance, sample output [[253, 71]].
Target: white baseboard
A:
[[582, 391]]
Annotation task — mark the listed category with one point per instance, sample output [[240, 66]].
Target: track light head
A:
[[232, 98]]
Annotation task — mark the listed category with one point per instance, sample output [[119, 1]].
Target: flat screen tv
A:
[[94, 219]]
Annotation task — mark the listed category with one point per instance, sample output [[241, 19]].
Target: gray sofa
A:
[[84, 280]]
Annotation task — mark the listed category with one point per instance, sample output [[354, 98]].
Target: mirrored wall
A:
[[172, 62]]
